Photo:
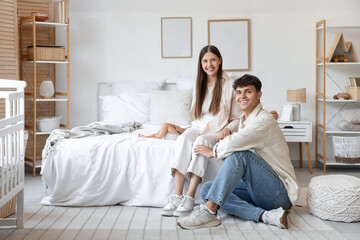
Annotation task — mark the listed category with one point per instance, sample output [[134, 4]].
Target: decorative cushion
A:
[[345, 125], [125, 107], [171, 107], [351, 115], [335, 197]]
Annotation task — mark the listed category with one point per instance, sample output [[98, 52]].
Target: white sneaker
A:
[[171, 206], [185, 207], [276, 217], [199, 218]]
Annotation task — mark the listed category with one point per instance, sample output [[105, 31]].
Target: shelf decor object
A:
[[232, 38], [296, 96], [341, 47], [46, 89], [176, 37]]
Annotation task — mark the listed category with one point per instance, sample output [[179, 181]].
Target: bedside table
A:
[[301, 132]]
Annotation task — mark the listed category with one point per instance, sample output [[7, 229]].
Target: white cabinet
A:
[[301, 132], [331, 78]]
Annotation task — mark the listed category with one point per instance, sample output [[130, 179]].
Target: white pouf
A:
[[335, 197]]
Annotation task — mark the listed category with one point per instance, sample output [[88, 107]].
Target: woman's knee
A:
[[201, 140], [205, 189]]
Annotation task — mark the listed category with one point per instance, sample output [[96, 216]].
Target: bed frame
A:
[[12, 149]]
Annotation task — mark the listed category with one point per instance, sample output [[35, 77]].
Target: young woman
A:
[[214, 115]]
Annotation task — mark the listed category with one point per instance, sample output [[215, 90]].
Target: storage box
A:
[[46, 53], [48, 124], [354, 92], [346, 149]]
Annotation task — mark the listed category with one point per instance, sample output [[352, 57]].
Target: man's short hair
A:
[[248, 80]]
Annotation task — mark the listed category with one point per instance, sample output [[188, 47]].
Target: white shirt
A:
[[261, 133], [206, 116]]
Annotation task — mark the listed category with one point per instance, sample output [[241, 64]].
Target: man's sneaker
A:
[[276, 217], [185, 207], [171, 206], [199, 218]]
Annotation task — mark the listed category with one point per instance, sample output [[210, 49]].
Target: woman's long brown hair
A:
[[201, 84]]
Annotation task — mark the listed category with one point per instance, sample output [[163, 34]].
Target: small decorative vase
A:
[[47, 89]]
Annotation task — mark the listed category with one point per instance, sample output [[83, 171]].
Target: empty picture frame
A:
[[176, 37], [232, 38]]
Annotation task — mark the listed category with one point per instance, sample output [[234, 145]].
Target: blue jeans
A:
[[246, 186]]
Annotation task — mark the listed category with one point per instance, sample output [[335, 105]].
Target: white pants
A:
[[185, 160]]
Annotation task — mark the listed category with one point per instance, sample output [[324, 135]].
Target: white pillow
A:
[[136, 86], [183, 83], [125, 107], [351, 115], [171, 107]]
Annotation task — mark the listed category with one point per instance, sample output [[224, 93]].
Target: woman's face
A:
[[210, 64]]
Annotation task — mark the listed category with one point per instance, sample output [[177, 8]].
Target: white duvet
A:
[[113, 169]]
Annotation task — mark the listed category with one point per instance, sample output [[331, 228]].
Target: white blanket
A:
[[112, 169]]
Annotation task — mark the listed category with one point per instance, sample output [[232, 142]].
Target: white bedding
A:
[[113, 169]]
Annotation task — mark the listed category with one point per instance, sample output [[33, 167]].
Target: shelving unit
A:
[[37, 106], [331, 78]]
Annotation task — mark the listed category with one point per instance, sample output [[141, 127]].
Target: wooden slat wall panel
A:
[[9, 66]]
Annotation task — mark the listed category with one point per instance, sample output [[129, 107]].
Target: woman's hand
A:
[[204, 150], [225, 132]]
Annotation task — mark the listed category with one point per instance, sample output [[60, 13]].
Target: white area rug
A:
[[118, 222]]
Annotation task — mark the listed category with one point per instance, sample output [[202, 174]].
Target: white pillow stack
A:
[[352, 120], [129, 101], [147, 101]]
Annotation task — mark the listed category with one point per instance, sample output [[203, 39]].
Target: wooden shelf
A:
[[340, 64], [338, 101], [339, 131], [339, 27], [49, 99], [332, 162], [45, 24], [324, 75], [61, 62]]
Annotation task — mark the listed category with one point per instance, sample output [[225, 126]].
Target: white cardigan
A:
[[229, 113]]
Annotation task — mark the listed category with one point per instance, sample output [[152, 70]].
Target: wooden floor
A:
[[119, 222]]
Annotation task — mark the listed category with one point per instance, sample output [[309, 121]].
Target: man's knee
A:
[[205, 189]]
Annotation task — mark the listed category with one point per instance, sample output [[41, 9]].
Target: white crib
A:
[[12, 149]]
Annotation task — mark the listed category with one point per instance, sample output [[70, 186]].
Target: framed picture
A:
[[232, 38], [286, 113], [176, 37]]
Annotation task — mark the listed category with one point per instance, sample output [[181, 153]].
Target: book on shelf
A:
[[354, 81]]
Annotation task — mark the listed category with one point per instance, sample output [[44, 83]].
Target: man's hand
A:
[[225, 132], [204, 150]]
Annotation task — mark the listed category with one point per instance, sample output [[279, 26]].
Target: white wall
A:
[[120, 40]]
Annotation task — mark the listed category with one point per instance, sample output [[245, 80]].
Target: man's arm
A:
[[246, 138]]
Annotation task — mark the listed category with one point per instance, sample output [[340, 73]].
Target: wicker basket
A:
[[346, 149], [8, 208]]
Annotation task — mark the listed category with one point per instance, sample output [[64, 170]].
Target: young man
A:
[[257, 180]]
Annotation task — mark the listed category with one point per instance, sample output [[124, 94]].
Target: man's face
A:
[[247, 98]]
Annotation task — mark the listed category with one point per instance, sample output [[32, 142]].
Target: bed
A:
[[12, 149], [122, 168]]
